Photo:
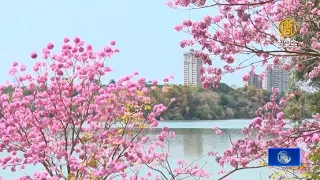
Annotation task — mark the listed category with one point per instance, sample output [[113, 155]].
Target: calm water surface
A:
[[194, 139]]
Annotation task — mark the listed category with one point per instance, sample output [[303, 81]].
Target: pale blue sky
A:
[[144, 31]]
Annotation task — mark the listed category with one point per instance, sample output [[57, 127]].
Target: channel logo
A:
[[284, 157]]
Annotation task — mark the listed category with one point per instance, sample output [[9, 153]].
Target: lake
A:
[[194, 139]]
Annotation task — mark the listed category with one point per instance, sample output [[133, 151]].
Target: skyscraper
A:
[[255, 81], [192, 66], [276, 78]]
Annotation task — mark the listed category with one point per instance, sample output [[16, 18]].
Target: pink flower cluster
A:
[[186, 3], [315, 72], [63, 118]]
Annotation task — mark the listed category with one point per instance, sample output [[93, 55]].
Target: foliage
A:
[[196, 103], [302, 106]]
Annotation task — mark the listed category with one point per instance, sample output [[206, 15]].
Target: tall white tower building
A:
[[192, 66]]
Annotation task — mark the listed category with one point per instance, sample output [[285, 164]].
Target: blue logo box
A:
[[284, 157]]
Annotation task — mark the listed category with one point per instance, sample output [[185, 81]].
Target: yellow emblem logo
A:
[[287, 28]]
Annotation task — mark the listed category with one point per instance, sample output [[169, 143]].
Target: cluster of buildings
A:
[[275, 78]]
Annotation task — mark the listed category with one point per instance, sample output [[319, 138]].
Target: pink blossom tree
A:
[[245, 34], [62, 118]]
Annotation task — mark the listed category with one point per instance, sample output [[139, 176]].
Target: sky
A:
[[144, 32]]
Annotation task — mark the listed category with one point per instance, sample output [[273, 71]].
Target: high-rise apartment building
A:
[[192, 66], [276, 78], [254, 80]]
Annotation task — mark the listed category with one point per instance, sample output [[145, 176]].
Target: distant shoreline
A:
[[208, 119]]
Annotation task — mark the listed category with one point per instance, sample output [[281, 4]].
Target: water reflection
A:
[[192, 144], [195, 141]]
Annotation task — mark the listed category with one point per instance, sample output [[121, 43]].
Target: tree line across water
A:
[[224, 102], [196, 103]]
